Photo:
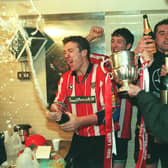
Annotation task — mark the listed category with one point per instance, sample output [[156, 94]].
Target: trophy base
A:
[[123, 90]]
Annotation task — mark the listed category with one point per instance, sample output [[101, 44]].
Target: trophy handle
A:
[[105, 70], [139, 69]]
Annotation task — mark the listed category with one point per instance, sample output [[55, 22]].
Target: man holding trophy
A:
[[124, 69], [121, 42]]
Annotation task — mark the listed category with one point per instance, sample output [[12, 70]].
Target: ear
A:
[[129, 45], [84, 53]]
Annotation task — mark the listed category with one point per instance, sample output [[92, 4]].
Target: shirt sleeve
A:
[[61, 94], [155, 115]]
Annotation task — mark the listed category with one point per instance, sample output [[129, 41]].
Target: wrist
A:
[[137, 54], [89, 38], [137, 91]]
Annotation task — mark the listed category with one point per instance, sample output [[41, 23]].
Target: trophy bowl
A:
[[124, 70]]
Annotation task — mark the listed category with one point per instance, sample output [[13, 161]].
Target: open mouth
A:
[[115, 50], [69, 62]]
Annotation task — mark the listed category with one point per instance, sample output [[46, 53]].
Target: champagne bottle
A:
[[147, 32], [64, 119], [164, 84], [147, 27]]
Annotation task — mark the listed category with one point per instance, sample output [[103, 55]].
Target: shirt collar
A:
[[86, 74]]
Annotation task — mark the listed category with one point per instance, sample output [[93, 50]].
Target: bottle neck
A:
[[147, 28]]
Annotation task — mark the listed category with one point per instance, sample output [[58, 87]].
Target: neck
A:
[[166, 52], [163, 51], [83, 69]]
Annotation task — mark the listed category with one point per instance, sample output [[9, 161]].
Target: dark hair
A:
[[162, 22], [125, 33], [82, 42]]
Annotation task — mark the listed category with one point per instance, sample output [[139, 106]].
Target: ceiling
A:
[[34, 7]]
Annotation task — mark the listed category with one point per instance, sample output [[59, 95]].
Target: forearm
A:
[[154, 114], [78, 121], [89, 38], [87, 120]]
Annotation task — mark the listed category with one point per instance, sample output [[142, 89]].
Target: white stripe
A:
[[146, 80], [59, 90], [101, 95], [122, 115], [73, 94], [114, 149]]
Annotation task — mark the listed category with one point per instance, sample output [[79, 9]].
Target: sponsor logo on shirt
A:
[[81, 99]]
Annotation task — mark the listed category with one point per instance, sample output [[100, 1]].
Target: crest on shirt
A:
[[156, 79], [70, 86], [93, 85]]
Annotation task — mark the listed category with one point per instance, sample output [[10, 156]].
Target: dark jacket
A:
[[155, 115]]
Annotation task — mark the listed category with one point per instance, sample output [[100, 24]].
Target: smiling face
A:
[[76, 59], [161, 38], [118, 43]]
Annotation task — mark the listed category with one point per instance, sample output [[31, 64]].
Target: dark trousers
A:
[[86, 152]]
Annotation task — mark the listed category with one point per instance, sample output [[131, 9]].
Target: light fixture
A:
[[36, 41]]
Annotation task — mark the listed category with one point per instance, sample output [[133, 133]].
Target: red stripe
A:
[[98, 58], [126, 127], [143, 145]]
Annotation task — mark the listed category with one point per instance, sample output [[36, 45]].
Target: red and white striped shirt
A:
[[83, 95], [123, 125]]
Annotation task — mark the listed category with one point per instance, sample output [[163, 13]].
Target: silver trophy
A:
[[123, 70]]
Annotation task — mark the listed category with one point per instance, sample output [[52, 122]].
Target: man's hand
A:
[[146, 48], [72, 124], [163, 71], [95, 32], [55, 112], [75, 122], [133, 90], [146, 43]]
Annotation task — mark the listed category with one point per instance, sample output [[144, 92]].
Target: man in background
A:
[[156, 150], [121, 39]]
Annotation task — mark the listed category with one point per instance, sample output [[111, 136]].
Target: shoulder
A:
[[99, 72], [96, 58], [66, 74], [102, 71]]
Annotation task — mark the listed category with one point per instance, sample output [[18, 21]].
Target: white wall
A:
[[78, 6], [133, 22], [25, 7]]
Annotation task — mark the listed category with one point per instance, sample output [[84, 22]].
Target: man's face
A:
[[73, 56], [161, 38], [118, 43]]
